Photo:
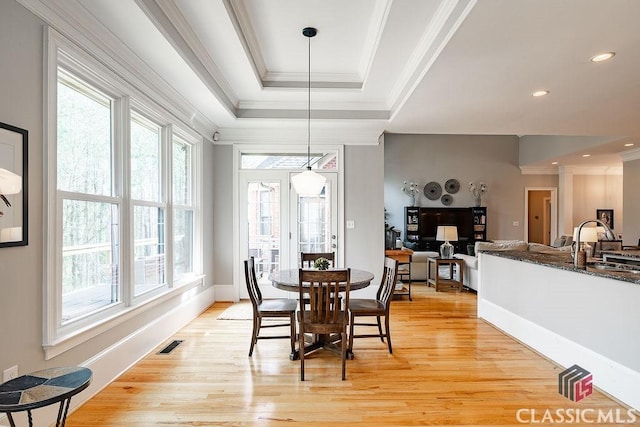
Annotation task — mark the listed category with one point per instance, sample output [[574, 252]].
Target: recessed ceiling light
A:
[[629, 144], [540, 93], [554, 163], [603, 56], [586, 155]]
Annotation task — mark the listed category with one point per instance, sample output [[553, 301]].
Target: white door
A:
[[276, 224], [314, 225]]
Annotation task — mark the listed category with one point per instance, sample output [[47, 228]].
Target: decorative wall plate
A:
[[446, 199], [432, 190], [452, 186]]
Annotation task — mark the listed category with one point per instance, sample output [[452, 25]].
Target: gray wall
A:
[[492, 159], [21, 268], [21, 103], [222, 194], [363, 203]]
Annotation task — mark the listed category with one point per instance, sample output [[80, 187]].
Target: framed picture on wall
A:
[[606, 216], [13, 186]]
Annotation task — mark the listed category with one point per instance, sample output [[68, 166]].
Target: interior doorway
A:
[[541, 215]]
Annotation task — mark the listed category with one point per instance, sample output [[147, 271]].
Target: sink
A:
[[617, 268]]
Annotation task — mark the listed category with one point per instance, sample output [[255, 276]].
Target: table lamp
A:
[[447, 233], [587, 235]]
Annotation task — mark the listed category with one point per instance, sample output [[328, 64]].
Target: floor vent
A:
[[172, 346]]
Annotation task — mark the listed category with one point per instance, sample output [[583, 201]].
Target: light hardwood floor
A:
[[448, 368]]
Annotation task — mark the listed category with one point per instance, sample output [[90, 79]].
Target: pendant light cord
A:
[[309, 111]]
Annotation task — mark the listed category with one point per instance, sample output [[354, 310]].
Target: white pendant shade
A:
[[10, 183], [308, 183]]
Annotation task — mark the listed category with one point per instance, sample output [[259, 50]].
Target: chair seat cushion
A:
[[277, 305], [366, 305]]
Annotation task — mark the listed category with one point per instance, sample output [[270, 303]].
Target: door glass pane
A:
[[314, 222], [90, 259], [264, 227], [149, 248]]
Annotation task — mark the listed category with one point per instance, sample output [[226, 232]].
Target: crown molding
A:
[[591, 170], [168, 19], [376, 29], [538, 170], [630, 155], [571, 170], [71, 19], [447, 19], [241, 23], [317, 106], [318, 80], [291, 132], [333, 114]]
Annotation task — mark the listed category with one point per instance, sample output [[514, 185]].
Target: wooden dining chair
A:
[[323, 314], [307, 258], [268, 308], [378, 307]]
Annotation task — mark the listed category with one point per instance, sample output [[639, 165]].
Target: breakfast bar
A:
[[587, 316]]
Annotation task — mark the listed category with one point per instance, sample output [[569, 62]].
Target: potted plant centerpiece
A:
[[321, 264]]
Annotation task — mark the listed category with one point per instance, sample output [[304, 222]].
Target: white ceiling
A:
[[404, 66]]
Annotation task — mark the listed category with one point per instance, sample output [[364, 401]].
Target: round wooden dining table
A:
[[287, 280]]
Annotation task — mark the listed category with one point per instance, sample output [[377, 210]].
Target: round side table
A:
[[43, 388]]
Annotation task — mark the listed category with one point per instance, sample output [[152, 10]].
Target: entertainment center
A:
[[421, 225]]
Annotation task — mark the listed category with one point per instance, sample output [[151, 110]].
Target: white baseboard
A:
[[609, 376], [115, 360], [226, 293]]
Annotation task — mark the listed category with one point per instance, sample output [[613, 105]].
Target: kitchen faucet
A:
[[607, 231]]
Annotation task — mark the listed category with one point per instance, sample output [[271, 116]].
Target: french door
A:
[[276, 223]]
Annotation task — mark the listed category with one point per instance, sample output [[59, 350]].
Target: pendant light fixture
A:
[[308, 183]]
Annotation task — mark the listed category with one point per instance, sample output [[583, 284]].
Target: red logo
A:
[[575, 383]]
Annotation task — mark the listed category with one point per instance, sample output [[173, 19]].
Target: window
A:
[[121, 166], [294, 161], [184, 209]]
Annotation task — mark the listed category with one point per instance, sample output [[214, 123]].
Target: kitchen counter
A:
[[627, 273], [585, 316]]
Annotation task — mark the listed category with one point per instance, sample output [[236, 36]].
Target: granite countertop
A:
[[563, 261]]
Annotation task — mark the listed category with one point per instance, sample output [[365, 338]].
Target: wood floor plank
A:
[[448, 368]]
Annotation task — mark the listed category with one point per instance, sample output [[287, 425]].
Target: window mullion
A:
[[122, 167], [167, 198]]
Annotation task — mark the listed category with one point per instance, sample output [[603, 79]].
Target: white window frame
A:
[[57, 337]]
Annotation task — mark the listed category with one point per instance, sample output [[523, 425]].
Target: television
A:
[[431, 218]]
